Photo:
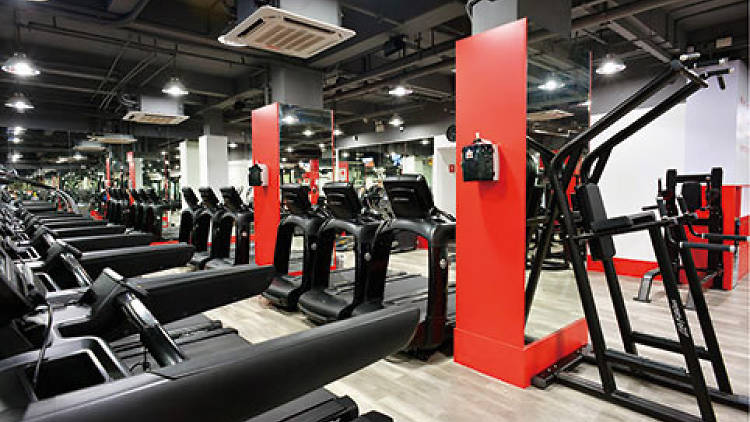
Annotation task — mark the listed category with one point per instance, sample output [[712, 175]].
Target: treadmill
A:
[[285, 289], [94, 370], [217, 211], [415, 212], [188, 216], [241, 218], [333, 295]]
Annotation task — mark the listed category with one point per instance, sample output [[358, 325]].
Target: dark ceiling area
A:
[[95, 56]]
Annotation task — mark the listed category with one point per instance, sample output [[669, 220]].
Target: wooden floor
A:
[[441, 390]]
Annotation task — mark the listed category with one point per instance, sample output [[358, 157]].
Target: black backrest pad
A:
[[592, 209], [295, 198], [342, 200], [409, 195], [232, 198], [691, 192], [209, 197]]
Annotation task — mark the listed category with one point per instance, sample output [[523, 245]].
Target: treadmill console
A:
[[189, 196], [342, 200], [296, 198], [232, 199], [409, 195], [209, 198]]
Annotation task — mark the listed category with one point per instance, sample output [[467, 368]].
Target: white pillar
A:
[[212, 156], [189, 164], [138, 165]]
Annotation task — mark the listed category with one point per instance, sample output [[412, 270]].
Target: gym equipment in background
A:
[[700, 193], [596, 229], [237, 219]]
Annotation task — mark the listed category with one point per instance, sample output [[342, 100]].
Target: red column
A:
[[491, 216], [267, 198]]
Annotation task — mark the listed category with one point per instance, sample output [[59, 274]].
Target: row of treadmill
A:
[[85, 336], [307, 280]]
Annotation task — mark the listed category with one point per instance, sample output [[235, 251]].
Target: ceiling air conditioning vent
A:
[[89, 146], [113, 138], [154, 118], [281, 31]]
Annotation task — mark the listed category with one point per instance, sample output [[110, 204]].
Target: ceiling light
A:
[[283, 159], [19, 102], [164, 153], [610, 66], [425, 142], [16, 156], [308, 132], [584, 103], [338, 132], [551, 85], [18, 130], [344, 154], [290, 119], [396, 120], [223, 39], [78, 156], [400, 91], [20, 65], [289, 149], [322, 146], [15, 139], [232, 145], [175, 87]]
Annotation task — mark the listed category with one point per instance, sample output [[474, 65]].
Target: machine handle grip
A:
[[730, 237], [707, 246], [650, 208]]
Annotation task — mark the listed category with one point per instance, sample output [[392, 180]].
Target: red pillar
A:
[[491, 216], [266, 198]]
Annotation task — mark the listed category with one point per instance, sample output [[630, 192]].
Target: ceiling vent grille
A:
[[113, 138], [154, 118], [281, 31]]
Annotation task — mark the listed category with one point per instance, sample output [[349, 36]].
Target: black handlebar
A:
[[707, 246], [161, 346]]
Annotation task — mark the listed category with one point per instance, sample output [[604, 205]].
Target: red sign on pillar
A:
[[312, 176], [490, 270]]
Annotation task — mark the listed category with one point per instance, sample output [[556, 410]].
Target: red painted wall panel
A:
[[267, 199]]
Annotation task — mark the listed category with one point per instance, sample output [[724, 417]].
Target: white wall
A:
[[237, 170], [189, 166], [629, 179], [212, 161], [443, 181]]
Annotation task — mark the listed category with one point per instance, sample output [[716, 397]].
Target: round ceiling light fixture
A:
[[20, 65]]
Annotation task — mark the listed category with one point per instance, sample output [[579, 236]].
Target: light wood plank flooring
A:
[[440, 390]]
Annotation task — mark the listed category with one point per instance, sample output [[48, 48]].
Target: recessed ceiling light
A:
[[551, 85], [16, 156], [18, 130], [289, 149], [15, 139], [400, 91], [338, 132], [322, 146], [308, 132], [290, 119], [396, 120], [19, 102], [344, 154], [175, 87], [232, 145], [78, 156], [610, 66], [20, 65], [425, 142]]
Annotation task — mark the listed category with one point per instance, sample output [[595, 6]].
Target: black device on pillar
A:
[[241, 218], [698, 193], [596, 229]]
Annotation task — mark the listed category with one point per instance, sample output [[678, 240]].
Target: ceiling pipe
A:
[[394, 80]]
